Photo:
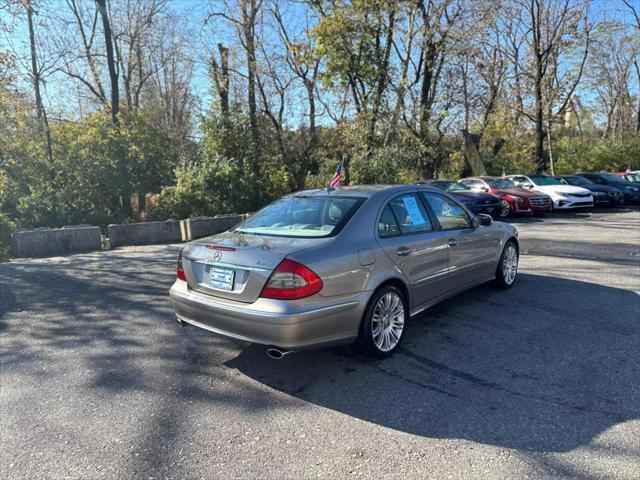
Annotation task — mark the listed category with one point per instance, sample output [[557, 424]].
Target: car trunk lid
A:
[[236, 266]]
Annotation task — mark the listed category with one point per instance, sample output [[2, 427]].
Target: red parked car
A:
[[513, 199]]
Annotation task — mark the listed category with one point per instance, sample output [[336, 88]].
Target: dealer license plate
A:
[[221, 278]]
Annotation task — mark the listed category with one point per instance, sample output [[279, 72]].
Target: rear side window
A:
[[410, 214], [450, 215], [388, 226]]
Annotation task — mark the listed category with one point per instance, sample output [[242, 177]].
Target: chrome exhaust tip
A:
[[277, 353]]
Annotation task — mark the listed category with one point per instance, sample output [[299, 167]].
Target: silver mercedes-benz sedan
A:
[[334, 266]]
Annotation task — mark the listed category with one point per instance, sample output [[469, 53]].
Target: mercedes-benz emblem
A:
[[217, 256]]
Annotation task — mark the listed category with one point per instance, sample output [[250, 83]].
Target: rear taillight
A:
[[290, 281], [180, 271]]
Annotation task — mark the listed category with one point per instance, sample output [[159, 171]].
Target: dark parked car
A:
[[631, 190], [629, 176], [477, 202], [602, 194]]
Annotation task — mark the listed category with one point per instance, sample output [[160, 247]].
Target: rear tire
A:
[[507, 270], [383, 324]]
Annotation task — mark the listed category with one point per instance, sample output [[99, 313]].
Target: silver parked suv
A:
[[334, 266]]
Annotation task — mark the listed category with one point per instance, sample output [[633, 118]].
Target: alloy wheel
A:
[[510, 264], [387, 323], [505, 208], [446, 210]]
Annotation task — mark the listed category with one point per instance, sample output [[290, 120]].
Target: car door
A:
[[407, 234], [471, 248]]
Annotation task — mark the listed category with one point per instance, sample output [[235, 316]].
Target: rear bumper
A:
[[278, 323]]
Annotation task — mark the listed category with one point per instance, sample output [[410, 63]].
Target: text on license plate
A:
[[221, 278]]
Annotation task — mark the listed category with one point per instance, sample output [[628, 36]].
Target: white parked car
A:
[[564, 196]]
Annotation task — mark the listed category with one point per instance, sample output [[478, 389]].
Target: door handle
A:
[[403, 251], [453, 242]]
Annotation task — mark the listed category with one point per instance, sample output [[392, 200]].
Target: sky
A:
[[60, 95]]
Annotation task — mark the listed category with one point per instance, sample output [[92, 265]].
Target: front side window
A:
[[595, 179], [300, 216], [450, 215], [410, 214], [577, 181]]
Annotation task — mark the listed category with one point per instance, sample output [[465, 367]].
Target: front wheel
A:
[[508, 266], [383, 322], [505, 209]]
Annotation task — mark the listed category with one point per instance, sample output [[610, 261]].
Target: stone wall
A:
[[51, 242], [144, 233], [199, 227]]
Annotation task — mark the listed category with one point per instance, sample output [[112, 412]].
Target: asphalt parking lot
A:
[[543, 380]]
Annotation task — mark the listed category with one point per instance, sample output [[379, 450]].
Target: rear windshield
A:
[[502, 183], [300, 216], [449, 186]]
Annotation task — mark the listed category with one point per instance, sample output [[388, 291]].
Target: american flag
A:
[[335, 181]]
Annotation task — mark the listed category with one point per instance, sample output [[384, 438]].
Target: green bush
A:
[[216, 185], [385, 165], [604, 154], [6, 227]]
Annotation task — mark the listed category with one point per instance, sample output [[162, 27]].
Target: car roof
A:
[[427, 182], [365, 191]]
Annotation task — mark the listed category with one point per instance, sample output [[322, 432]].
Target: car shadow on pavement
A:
[[546, 366]]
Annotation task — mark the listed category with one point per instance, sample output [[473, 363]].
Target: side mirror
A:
[[484, 219]]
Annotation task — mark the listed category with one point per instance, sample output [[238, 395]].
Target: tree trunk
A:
[[381, 86], [111, 62], [34, 59], [541, 164], [248, 25], [472, 153], [223, 89], [551, 163], [637, 65], [35, 72]]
